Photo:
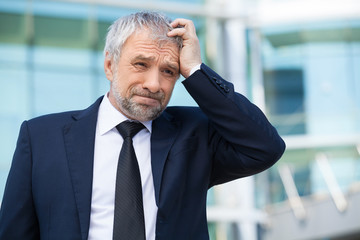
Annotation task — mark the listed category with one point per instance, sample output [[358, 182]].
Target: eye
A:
[[140, 64], [169, 72]]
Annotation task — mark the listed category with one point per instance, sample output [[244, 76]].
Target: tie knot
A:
[[129, 129]]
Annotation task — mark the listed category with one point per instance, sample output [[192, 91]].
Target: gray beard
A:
[[134, 110]]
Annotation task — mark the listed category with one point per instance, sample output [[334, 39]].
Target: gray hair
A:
[[124, 27]]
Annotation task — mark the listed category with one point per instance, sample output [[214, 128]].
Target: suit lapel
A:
[[164, 132], [79, 137]]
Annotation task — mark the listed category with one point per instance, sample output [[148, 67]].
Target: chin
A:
[[143, 113]]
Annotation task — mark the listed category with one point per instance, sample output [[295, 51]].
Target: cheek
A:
[[168, 88], [121, 86]]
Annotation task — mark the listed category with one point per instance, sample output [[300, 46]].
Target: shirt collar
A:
[[109, 117]]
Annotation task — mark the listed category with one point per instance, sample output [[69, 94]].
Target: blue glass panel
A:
[[103, 85], [56, 58], [329, 90], [18, 6], [13, 110], [56, 91], [11, 54]]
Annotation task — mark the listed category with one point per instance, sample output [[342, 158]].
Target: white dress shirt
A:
[[108, 142]]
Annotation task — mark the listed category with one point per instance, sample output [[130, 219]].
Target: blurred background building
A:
[[298, 60]]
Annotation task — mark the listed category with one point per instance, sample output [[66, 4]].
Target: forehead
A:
[[145, 43]]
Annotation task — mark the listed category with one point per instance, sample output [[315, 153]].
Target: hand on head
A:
[[190, 54]]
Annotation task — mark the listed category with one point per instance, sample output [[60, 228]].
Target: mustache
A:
[[146, 93]]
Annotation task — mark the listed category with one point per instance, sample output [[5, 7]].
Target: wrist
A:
[[194, 69]]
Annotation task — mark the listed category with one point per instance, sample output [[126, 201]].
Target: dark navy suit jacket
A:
[[48, 192]]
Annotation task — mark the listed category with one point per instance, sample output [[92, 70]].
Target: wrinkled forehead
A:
[[145, 42], [159, 35], [160, 39]]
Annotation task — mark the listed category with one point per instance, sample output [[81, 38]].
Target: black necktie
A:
[[129, 221]]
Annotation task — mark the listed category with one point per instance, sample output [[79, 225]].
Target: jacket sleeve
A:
[[241, 139], [17, 214]]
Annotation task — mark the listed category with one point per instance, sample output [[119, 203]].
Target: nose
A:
[[152, 81]]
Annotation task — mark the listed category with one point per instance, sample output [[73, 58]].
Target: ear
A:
[[108, 67]]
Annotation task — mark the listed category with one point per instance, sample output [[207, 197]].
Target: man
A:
[[63, 179]]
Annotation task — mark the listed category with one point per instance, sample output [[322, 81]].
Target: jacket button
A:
[[226, 89], [218, 81]]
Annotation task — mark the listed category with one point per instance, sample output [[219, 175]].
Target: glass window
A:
[[310, 75], [284, 96], [14, 103]]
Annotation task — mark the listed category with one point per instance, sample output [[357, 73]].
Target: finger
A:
[[182, 22], [177, 32]]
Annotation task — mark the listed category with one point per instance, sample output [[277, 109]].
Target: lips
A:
[[146, 100], [146, 97]]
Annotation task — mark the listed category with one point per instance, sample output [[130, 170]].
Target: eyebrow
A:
[[173, 66], [141, 57]]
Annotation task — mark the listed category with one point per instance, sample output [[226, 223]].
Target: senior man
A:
[[129, 167]]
